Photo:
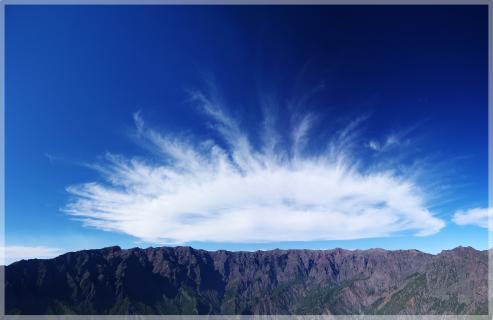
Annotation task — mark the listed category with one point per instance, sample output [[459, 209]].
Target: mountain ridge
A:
[[184, 280], [118, 248]]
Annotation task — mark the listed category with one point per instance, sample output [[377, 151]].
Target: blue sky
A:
[[245, 127]]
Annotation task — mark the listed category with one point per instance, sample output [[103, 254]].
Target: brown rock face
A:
[[183, 280]]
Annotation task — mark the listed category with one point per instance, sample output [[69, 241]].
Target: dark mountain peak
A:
[[111, 249], [184, 248], [468, 248], [459, 250]]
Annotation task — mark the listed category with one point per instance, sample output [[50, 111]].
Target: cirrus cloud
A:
[[233, 191]]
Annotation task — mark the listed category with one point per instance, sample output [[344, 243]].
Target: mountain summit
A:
[[183, 280]]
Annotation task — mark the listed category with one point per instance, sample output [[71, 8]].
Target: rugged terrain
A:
[[184, 280]]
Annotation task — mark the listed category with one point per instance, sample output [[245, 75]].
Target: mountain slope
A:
[[183, 280]]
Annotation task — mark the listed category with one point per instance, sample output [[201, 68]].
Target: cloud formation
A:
[[233, 191], [476, 217], [11, 254], [391, 141]]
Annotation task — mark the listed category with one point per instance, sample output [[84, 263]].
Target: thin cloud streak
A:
[[203, 191], [475, 217], [11, 254]]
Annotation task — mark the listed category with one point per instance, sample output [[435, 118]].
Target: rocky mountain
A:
[[184, 280]]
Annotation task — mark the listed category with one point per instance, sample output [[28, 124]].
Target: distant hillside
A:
[[183, 280]]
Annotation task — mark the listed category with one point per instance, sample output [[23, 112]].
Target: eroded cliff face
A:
[[183, 280]]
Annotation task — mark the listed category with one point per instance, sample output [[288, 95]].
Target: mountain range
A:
[[183, 280]]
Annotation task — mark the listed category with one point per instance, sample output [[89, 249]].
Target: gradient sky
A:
[[400, 90]]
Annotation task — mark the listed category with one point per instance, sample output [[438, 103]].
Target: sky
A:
[[245, 127]]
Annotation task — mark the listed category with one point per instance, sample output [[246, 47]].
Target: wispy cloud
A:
[[476, 217], [11, 254], [233, 191], [374, 145], [391, 141]]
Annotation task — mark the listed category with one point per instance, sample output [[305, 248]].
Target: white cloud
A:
[[476, 217], [11, 254], [205, 192], [390, 141], [374, 145]]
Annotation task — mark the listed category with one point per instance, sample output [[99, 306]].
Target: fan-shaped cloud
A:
[[232, 191], [476, 217]]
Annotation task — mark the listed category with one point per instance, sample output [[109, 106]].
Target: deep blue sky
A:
[[76, 74]]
